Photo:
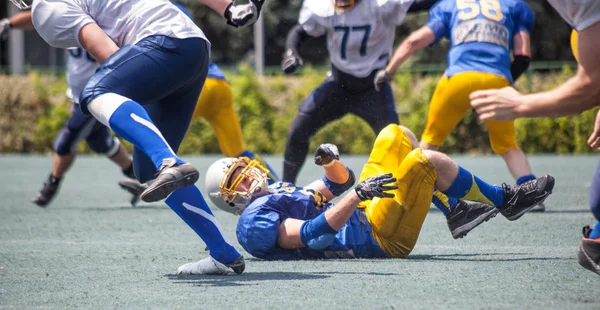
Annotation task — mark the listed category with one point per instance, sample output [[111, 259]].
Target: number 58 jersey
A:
[[359, 41], [481, 33]]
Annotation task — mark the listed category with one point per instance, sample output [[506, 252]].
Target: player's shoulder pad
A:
[[321, 8]]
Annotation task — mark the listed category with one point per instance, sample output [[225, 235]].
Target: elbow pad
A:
[[337, 188], [316, 233]]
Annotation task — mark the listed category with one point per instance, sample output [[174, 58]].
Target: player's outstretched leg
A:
[[191, 207], [463, 216], [512, 202], [589, 250]]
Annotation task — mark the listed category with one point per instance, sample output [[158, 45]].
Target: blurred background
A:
[[33, 106]]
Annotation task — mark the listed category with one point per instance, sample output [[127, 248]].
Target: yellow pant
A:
[[451, 101], [575, 44], [396, 222], [215, 105]]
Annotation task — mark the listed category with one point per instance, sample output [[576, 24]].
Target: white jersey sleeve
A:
[[311, 16], [580, 14], [58, 22], [394, 11], [81, 66]]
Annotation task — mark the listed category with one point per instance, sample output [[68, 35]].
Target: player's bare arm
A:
[[521, 54], [337, 175], [578, 94], [320, 231], [415, 41], [97, 42]]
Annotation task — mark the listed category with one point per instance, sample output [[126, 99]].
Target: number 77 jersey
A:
[[481, 33], [359, 41]]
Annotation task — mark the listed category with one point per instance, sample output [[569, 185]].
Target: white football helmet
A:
[[222, 188], [22, 4]]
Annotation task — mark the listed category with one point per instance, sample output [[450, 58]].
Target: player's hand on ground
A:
[[4, 28], [594, 139], [496, 104], [382, 76], [326, 154], [376, 187], [291, 61], [243, 15]]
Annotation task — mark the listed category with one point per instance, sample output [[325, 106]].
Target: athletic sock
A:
[[470, 187], [191, 207], [444, 203], [272, 176], [595, 233], [53, 179], [129, 172], [525, 178]]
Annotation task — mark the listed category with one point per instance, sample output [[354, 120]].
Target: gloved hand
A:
[[291, 61], [381, 77], [376, 187], [4, 28], [326, 154], [243, 15]]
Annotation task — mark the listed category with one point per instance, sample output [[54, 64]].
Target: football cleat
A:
[[48, 191], [522, 198], [210, 266], [134, 187], [169, 177], [540, 207], [467, 215], [588, 254]]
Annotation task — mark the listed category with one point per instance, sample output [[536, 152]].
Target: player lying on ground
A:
[[482, 35], [161, 64], [381, 217], [360, 35], [578, 94], [80, 67]]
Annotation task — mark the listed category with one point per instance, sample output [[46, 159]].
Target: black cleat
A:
[[588, 254], [468, 215], [47, 193], [522, 198], [540, 207], [134, 187], [169, 177]]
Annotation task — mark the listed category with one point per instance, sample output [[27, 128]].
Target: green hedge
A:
[[34, 108]]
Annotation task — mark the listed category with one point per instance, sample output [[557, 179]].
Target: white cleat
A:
[[210, 266]]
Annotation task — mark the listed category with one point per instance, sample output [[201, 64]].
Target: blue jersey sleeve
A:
[[439, 20], [524, 17]]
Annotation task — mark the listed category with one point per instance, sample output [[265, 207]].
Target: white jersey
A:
[[361, 40], [124, 21], [80, 68], [580, 14]]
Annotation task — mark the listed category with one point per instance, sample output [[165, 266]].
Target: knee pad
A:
[[108, 146], [66, 142]]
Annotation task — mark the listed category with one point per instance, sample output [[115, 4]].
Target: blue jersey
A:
[[258, 226], [480, 32]]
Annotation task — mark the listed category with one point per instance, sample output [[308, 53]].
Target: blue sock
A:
[[191, 207], [273, 177], [525, 178], [595, 233], [131, 121], [444, 203], [470, 187]]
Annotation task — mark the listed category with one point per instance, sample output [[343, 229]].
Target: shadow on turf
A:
[[152, 207], [483, 257], [246, 278]]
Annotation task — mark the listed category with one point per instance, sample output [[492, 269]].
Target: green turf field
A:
[[90, 249]]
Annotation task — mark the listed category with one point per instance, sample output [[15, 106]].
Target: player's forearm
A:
[[338, 215], [21, 21], [218, 6], [578, 94], [295, 38], [415, 41], [97, 42]]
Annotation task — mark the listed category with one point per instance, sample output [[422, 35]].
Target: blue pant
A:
[[595, 194], [165, 75], [79, 127]]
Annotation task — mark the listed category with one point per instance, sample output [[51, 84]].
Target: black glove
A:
[[291, 61], [326, 154], [381, 77], [4, 28], [375, 187], [243, 15]]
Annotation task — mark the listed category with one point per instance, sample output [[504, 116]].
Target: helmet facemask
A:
[[248, 169], [22, 4], [342, 6]]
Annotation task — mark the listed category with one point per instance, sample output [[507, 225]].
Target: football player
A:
[[482, 35], [80, 67], [359, 36], [578, 94], [161, 63], [381, 217]]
